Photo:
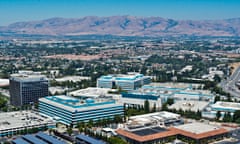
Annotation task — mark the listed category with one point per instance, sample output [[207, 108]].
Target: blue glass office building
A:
[[131, 81], [69, 110], [27, 89]]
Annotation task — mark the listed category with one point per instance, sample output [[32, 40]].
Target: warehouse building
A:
[[221, 106], [13, 123]]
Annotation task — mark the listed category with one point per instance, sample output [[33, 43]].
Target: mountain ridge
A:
[[126, 26]]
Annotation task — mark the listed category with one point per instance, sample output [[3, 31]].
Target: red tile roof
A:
[[170, 132], [147, 137], [201, 135]]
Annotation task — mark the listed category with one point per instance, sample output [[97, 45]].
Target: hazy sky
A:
[[25, 10]]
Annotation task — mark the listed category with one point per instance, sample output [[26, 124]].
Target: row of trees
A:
[[139, 109], [110, 140], [3, 101], [228, 117], [99, 123], [187, 113], [86, 128]]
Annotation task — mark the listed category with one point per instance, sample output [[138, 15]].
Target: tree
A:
[[236, 116], [105, 122], [227, 117], [154, 108], [170, 101], [117, 119], [116, 140], [199, 114], [164, 107], [50, 131], [217, 98], [69, 131], [146, 106], [90, 123], [218, 115], [3, 101], [217, 79]]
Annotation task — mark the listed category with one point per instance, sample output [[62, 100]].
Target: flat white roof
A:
[[4, 82], [171, 85], [28, 77], [189, 105], [72, 78], [226, 105], [131, 76], [197, 127], [58, 89], [162, 114], [90, 92], [73, 104], [9, 120]]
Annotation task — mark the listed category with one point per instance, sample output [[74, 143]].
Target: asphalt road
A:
[[229, 84]]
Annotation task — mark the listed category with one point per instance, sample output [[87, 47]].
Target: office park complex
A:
[[121, 91]]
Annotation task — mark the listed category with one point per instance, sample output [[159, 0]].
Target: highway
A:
[[229, 84]]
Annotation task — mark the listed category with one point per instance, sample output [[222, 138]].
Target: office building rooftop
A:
[[195, 131], [226, 105], [28, 77], [11, 120], [74, 104], [189, 105], [152, 120], [159, 115], [92, 92], [197, 128], [131, 76]]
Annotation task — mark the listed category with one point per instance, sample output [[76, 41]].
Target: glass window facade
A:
[[24, 91], [67, 114]]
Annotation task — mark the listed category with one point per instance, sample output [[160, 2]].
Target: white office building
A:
[[129, 81]]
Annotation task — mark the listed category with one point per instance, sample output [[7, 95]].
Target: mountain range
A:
[[126, 26]]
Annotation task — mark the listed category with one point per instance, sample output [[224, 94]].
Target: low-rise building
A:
[[12, 123], [225, 106], [71, 110], [135, 99], [94, 92], [221, 106], [198, 133], [163, 119], [129, 81], [158, 94], [39, 138], [72, 78], [4, 82], [176, 91], [187, 105]]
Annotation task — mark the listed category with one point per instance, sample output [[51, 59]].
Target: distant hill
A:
[[126, 26]]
